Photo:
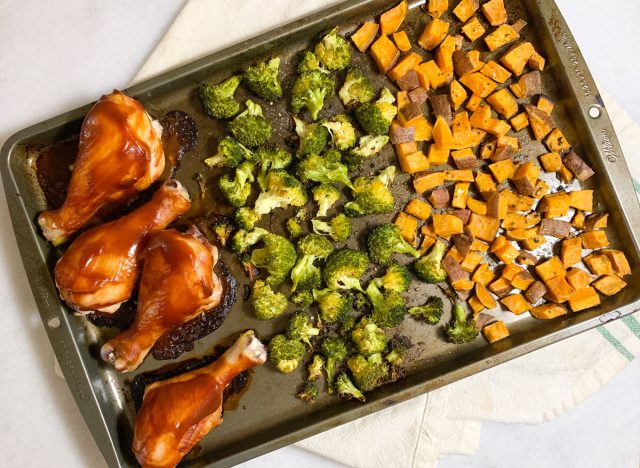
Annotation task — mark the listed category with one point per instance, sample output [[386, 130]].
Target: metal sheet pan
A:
[[269, 416]]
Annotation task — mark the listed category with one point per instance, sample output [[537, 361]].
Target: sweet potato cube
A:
[[476, 206], [460, 193], [520, 121], [531, 219], [483, 227], [526, 178], [437, 156], [558, 290], [599, 264], [479, 84], [402, 41], [391, 20], [408, 62], [536, 62], [405, 149], [484, 184], [424, 129], [583, 299], [497, 206], [365, 35], [518, 202], [495, 331], [551, 162], [507, 254], [464, 159], [498, 127], [437, 8], [483, 275], [517, 234], [444, 54], [514, 221], [550, 269], [426, 243], [581, 200], [442, 136], [545, 104], [459, 175], [481, 117], [535, 292], [465, 9], [594, 239], [473, 103], [477, 136], [385, 54], [556, 141], [609, 285], [498, 243], [555, 205], [571, 252], [457, 95], [523, 280], [479, 245], [446, 225], [541, 123], [578, 278], [428, 181], [619, 261], [516, 303], [418, 208], [471, 261], [548, 311], [433, 34], [534, 239], [516, 58], [413, 163], [408, 226], [495, 71], [461, 130], [501, 36], [501, 287], [495, 12], [473, 29], [503, 170], [503, 103], [485, 297], [475, 305], [439, 198], [595, 221]]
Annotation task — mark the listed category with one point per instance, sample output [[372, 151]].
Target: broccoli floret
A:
[[325, 195], [310, 90], [339, 228], [343, 134], [332, 155], [344, 268], [385, 240], [461, 329], [334, 307], [278, 256], [399, 348], [221, 227], [368, 337], [356, 88], [237, 189], [246, 218], [294, 227], [313, 137], [368, 146], [372, 195], [302, 298], [262, 80], [335, 351], [430, 312], [299, 328], [308, 394], [361, 302], [388, 307], [230, 154], [309, 62], [396, 278], [286, 354], [368, 372], [305, 275], [251, 128], [218, 100], [429, 267], [282, 190], [316, 168], [270, 158], [333, 51], [345, 388], [243, 239], [265, 303], [375, 118], [315, 367]]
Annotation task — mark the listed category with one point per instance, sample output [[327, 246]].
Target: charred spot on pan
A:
[[179, 136]]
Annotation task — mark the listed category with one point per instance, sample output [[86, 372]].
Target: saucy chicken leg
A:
[[119, 155], [177, 413], [100, 269], [177, 284]]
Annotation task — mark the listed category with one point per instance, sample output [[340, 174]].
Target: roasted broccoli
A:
[[243, 239], [237, 189], [368, 146], [335, 351], [246, 218], [230, 154], [309, 393], [334, 306], [294, 227], [368, 372], [347, 325], [372, 195], [277, 256], [399, 348], [430, 312], [343, 134], [357, 89], [251, 128], [313, 137], [282, 190], [262, 80], [461, 329], [305, 275], [388, 307], [333, 51], [385, 240], [368, 337], [332, 155], [286, 354], [325, 195], [344, 268], [302, 298], [300, 328], [270, 158], [429, 267], [221, 227], [265, 303], [310, 90], [309, 62], [396, 278], [315, 367], [218, 100], [316, 168], [375, 118], [345, 388]]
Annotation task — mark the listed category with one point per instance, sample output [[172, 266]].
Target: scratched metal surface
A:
[[269, 416]]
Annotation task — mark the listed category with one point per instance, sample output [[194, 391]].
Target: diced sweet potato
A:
[[460, 193], [475, 305], [437, 8], [501, 287], [596, 221], [577, 166], [433, 34], [484, 296], [473, 102], [619, 261], [554, 205], [495, 12], [426, 243], [442, 136], [594, 239], [402, 41], [545, 104], [556, 141], [399, 134], [481, 117], [455, 273], [501, 36], [385, 54], [516, 303], [609, 285], [495, 331], [518, 202], [495, 71], [446, 225], [531, 219], [520, 121], [479, 84], [565, 174], [529, 84], [516, 58], [498, 127], [414, 162], [466, 62], [424, 129], [599, 264], [484, 184], [497, 206], [535, 292], [476, 206], [483, 227], [439, 198], [405, 149], [523, 280], [444, 54], [503, 170], [498, 243], [533, 239], [391, 20], [428, 181], [526, 177], [408, 227], [418, 208], [536, 62], [464, 215], [578, 278], [540, 190], [551, 162], [465, 9], [464, 159], [541, 123], [571, 251], [441, 106], [548, 311], [471, 261], [514, 221], [418, 95], [581, 200], [507, 254], [459, 175], [583, 299], [551, 268], [503, 103], [578, 220], [510, 271], [437, 156], [461, 130], [408, 81], [483, 275], [558, 290], [526, 258], [473, 29], [407, 63], [555, 228], [365, 35], [457, 95]]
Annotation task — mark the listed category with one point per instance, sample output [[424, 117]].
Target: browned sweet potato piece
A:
[[555, 228], [414, 162], [441, 107], [551, 162], [439, 198], [497, 205], [428, 181], [479, 84], [418, 95], [457, 95], [523, 280], [548, 311], [526, 177], [495, 12], [578, 278], [408, 81], [464, 159], [516, 58], [516, 303], [407, 63], [520, 121], [526, 258], [551, 268], [402, 41], [408, 227], [437, 8], [580, 169], [501, 287], [433, 34], [464, 215], [619, 261], [502, 153], [530, 84], [556, 141], [460, 193], [558, 290], [444, 54], [594, 239], [584, 299], [399, 134], [365, 36], [446, 225], [536, 62], [454, 271], [473, 29], [596, 221], [599, 264], [536, 291], [581, 200], [541, 122], [554, 205], [609, 285], [503, 170], [503, 103]]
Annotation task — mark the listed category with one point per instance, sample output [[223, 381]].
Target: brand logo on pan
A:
[[609, 152], [577, 67]]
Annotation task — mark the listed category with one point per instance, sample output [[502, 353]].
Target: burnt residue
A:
[[122, 318], [179, 136], [53, 170]]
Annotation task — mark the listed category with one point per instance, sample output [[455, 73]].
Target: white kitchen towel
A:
[[447, 420]]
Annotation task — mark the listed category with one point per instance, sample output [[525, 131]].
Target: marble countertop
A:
[[59, 54]]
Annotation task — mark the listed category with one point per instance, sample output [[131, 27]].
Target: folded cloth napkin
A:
[[418, 431]]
